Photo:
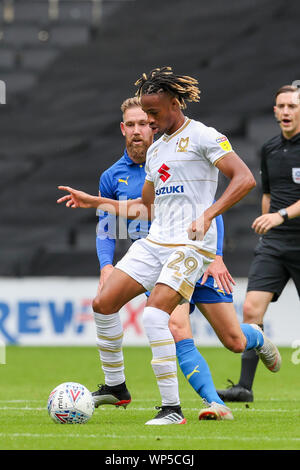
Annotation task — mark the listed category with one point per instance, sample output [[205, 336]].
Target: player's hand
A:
[[195, 230], [199, 227], [218, 270], [77, 198], [265, 222]]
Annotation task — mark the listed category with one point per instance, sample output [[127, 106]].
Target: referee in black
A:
[[277, 255]]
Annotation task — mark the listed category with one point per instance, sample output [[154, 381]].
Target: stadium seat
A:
[[75, 11], [20, 35], [38, 58], [261, 128], [8, 57], [16, 235], [65, 262], [31, 11], [15, 262], [18, 81], [66, 35], [10, 172]]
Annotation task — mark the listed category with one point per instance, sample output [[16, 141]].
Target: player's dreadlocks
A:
[[163, 79]]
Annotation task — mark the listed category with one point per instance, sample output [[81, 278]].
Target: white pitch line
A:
[[21, 401], [115, 436], [12, 408], [247, 410]]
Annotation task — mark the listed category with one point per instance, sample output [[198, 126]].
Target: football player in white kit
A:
[[181, 180]]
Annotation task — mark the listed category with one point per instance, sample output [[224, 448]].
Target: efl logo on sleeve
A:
[[224, 143], [296, 175]]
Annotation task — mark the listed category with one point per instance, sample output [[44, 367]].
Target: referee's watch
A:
[[284, 214]]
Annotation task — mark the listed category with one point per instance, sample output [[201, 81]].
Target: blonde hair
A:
[[130, 103]]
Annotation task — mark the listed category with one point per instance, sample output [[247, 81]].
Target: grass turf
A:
[[30, 373]]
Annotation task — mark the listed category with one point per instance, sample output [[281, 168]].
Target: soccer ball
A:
[[70, 402]]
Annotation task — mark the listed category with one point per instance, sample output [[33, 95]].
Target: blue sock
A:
[[254, 337], [195, 369]]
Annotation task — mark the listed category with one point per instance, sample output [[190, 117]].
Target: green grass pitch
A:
[[30, 373]]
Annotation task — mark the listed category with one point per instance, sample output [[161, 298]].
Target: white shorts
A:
[[178, 267]]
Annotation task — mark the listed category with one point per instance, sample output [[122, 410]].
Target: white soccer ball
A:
[[70, 402]]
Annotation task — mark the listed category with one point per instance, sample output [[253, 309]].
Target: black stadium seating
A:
[[68, 65]]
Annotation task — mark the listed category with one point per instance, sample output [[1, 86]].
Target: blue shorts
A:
[[207, 294]]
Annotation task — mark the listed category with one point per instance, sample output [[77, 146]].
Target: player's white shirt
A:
[[182, 168]]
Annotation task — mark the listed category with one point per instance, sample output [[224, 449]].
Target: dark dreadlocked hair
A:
[[164, 80]]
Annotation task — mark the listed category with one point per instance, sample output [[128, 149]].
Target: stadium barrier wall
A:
[[58, 311]]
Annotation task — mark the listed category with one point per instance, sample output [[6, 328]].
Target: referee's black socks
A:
[[249, 364]]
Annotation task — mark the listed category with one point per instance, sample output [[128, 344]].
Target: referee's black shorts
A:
[[275, 262]]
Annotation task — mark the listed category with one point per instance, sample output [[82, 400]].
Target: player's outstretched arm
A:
[[129, 209], [76, 198]]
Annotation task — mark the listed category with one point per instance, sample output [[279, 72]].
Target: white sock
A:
[[163, 362], [109, 342]]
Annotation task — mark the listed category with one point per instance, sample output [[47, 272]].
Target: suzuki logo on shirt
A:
[[164, 175], [169, 190]]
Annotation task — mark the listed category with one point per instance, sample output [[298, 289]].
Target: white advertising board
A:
[[58, 311]]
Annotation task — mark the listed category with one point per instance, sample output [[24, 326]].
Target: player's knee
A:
[[96, 304], [101, 305]]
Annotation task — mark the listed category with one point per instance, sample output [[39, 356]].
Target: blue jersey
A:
[[123, 180]]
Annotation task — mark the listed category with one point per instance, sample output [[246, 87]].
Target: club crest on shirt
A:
[[224, 143], [183, 144], [296, 175]]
